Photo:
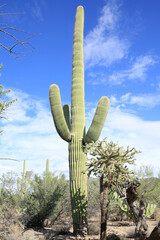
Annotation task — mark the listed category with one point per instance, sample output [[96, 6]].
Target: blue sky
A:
[[122, 61]]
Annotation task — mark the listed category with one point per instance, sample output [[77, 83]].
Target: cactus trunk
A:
[[72, 128], [78, 185], [77, 157]]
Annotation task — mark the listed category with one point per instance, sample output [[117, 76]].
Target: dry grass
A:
[[93, 229], [14, 232]]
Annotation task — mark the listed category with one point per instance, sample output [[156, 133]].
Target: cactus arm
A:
[[66, 111], [57, 113], [94, 130]]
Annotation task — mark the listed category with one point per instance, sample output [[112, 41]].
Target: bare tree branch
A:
[[5, 32], [12, 159], [11, 13]]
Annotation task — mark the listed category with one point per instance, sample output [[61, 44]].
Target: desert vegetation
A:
[[39, 205]]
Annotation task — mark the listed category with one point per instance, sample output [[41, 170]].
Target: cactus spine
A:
[[72, 129]]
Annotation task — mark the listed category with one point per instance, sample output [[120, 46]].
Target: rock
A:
[[46, 223], [29, 234]]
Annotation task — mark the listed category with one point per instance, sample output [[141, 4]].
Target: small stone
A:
[[29, 234]]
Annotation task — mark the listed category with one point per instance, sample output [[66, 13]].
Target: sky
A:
[[122, 62]]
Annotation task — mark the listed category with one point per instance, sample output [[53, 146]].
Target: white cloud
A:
[[36, 9], [125, 97], [96, 78], [33, 137], [148, 101], [102, 46], [137, 71], [30, 134], [128, 129]]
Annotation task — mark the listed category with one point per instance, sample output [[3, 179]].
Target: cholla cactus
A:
[[72, 128], [109, 163]]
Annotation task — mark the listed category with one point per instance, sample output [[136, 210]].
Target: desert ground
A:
[[62, 229]]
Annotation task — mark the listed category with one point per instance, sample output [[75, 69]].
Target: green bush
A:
[[8, 189], [93, 196], [47, 199]]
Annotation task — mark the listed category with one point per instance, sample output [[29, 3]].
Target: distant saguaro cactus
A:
[[47, 172], [23, 183], [72, 129], [47, 166]]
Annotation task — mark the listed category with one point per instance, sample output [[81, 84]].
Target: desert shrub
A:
[[93, 196], [150, 183], [94, 228], [8, 190], [47, 196], [47, 199], [10, 195], [8, 181], [10, 226]]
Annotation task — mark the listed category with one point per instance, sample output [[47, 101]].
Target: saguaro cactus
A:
[[72, 128], [47, 167], [47, 172], [24, 182]]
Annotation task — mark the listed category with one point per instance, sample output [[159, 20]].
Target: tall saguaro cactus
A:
[[72, 128]]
